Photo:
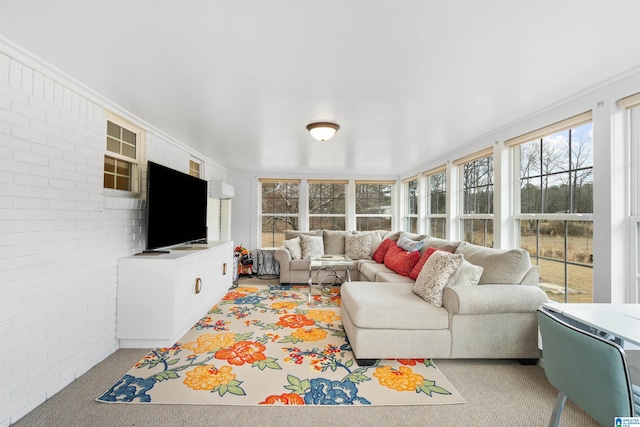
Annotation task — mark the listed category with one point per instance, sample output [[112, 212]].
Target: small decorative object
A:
[[245, 261]]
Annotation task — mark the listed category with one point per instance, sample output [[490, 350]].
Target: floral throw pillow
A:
[[436, 275], [311, 246], [357, 246]]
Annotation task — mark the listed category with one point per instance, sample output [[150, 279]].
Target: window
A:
[[556, 194], [327, 205], [411, 205], [122, 160], [194, 168], [373, 205], [436, 197], [279, 210], [632, 104], [477, 197]]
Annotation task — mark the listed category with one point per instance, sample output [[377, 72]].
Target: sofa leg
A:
[[528, 362], [366, 362]]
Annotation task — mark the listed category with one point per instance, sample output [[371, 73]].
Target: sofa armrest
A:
[[283, 258], [490, 299]]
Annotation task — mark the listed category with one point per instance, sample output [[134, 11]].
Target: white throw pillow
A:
[[311, 246], [294, 247], [358, 246], [436, 275], [467, 274]]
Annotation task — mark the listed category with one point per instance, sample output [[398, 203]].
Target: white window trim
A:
[[137, 163]]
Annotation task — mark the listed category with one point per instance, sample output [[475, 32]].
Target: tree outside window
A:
[[556, 191], [436, 186], [280, 210], [327, 205], [373, 205], [477, 201]]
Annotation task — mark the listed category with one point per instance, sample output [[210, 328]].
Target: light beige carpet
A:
[[266, 345]]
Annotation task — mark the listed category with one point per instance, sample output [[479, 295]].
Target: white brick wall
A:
[[60, 236]]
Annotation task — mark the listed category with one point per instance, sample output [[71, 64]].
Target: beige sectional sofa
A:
[[384, 317]]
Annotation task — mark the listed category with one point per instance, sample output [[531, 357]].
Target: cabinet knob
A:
[[198, 285], [224, 269]]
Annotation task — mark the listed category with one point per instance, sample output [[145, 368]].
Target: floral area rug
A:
[[266, 346]]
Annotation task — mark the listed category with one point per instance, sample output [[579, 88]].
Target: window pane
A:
[[327, 199], [373, 199], [555, 153], [129, 151], [478, 231], [373, 223], [438, 227], [326, 222], [113, 130], [412, 197], [109, 165], [128, 137], [280, 198], [273, 229], [478, 186], [109, 181], [123, 183], [412, 225], [113, 145], [438, 196]]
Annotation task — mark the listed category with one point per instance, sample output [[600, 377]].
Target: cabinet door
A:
[[185, 294], [205, 297]]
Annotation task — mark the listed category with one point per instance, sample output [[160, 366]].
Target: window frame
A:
[[430, 216], [411, 216], [565, 218], [263, 215], [486, 218], [136, 164], [342, 215], [389, 216]]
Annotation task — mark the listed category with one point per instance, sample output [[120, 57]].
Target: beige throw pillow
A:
[[358, 246], [311, 246], [436, 275], [294, 247], [467, 274]]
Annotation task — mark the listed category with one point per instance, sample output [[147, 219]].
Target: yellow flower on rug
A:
[[313, 334], [327, 316], [209, 377], [401, 379], [210, 342]]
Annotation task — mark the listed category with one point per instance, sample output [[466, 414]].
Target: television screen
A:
[[176, 207]]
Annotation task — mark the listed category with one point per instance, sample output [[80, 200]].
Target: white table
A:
[[622, 321]]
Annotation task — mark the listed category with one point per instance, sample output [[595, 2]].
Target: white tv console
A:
[[161, 296]]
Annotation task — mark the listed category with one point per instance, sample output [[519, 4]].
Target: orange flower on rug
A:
[[266, 346]]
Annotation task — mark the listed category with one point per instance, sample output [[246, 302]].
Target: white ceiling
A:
[[407, 81]]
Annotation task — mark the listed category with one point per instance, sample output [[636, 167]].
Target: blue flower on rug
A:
[[327, 392], [128, 389]]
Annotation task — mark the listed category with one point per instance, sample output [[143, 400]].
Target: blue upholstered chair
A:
[[588, 369]]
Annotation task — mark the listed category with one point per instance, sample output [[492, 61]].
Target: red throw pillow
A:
[[378, 255], [415, 272], [401, 261]]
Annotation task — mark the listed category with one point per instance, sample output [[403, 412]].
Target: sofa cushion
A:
[[400, 261], [393, 235], [311, 246], [415, 271], [500, 266], [409, 245], [434, 242], [334, 241], [370, 270], [357, 246], [390, 306], [391, 276], [294, 247], [379, 254], [290, 234], [436, 275]]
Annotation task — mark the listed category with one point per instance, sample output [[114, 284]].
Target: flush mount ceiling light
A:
[[322, 131]]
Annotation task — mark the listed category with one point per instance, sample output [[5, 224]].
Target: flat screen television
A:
[[176, 207]]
